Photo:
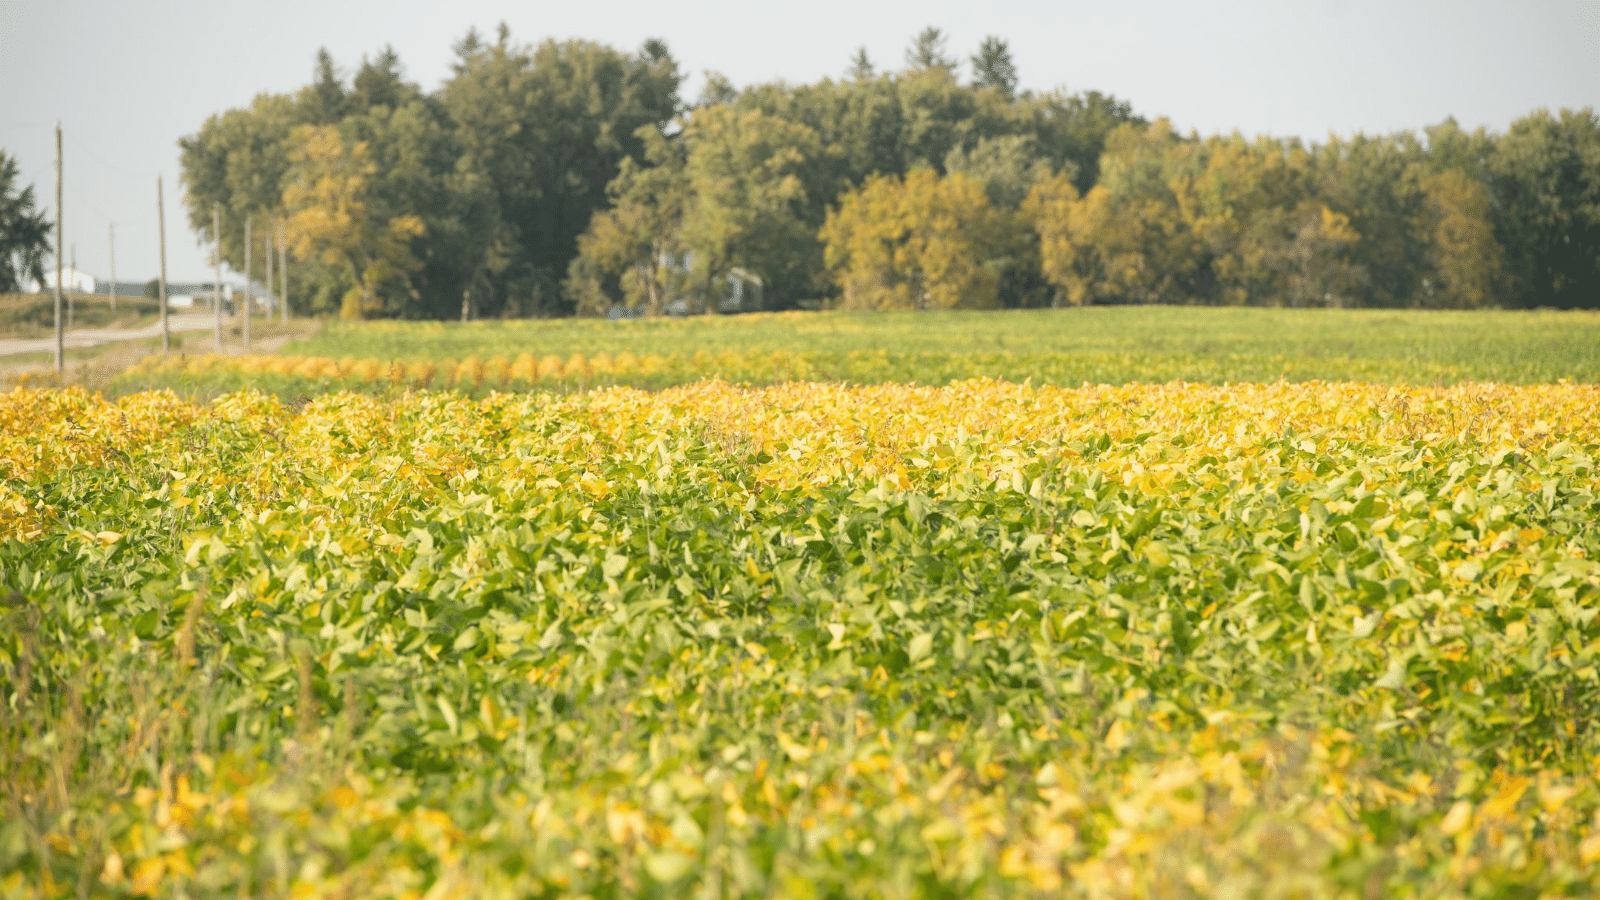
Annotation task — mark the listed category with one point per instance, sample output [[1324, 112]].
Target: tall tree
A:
[[718, 90], [1452, 147], [927, 51], [993, 68], [1546, 177], [860, 124], [1125, 241], [24, 230], [937, 116], [1466, 262], [1073, 128], [323, 101], [330, 218], [381, 82], [1264, 237], [1373, 182], [546, 128], [239, 159], [745, 198], [919, 242], [414, 149], [633, 253], [861, 66], [1008, 167]]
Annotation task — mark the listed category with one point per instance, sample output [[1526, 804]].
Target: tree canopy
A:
[[24, 230], [571, 177], [487, 182]]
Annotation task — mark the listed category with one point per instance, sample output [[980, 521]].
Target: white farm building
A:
[[72, 279]]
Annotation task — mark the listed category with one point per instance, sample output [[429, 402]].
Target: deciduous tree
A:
[[924, 241], [744, 196], [1546, 173], [1466, 260], [546, 129], [330, 219], [632, 252], [1126, 240]]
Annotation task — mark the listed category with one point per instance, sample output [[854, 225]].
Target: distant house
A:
[[71, 280], [744, 291], [187, 294], [180, 294], [263, 296], [738, 290], [124, 288]]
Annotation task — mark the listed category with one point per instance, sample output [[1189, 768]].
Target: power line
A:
[[78, 145], [29, 178], [80, 200]]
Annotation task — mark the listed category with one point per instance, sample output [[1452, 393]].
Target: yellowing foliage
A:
[[986, 639], [918, 242], [329, 217]]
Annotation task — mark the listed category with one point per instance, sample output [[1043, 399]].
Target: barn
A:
[[71, 280]]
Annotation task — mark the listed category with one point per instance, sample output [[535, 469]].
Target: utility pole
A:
[[283, 275], [247, 290], [161, 226], [113, 228], [61, 346], [216, 295]]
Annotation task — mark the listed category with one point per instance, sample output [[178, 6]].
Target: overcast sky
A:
[[126, 79]]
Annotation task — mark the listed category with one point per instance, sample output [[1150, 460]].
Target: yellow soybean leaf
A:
[[1589, 849], [343, 797], [595, 486], [795, 751], [1505, 800], [1458, 819], [1157, 553], [111, 872], [147, 875], [1117, 736], [668, 865], [920, 647]]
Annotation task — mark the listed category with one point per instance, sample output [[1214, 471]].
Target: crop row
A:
[[472, 373], [807, 640], [212, 374]]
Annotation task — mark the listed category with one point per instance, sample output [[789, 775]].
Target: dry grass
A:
[[33, 315], [95, 367]]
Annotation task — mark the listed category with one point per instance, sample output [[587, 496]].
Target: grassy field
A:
[[1062, 347], [33, 315], [807, 638], [1508, 346]]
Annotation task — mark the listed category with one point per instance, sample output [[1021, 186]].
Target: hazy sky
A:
[[126, 79]]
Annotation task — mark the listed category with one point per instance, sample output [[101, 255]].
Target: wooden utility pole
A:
[[283, 275], [247, 290], [161, 226], [113, 228], [216, 294], [61, 344]]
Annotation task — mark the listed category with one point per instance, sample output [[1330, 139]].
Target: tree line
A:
[[572, 178]]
